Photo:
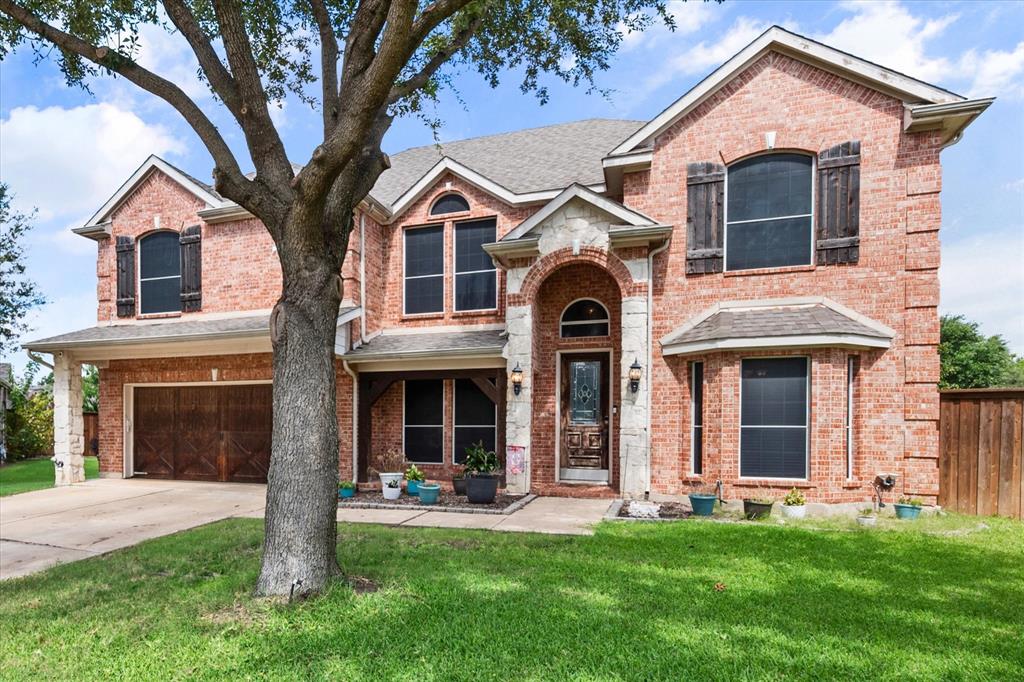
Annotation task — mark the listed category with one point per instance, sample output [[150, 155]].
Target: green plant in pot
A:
[[347, 489], [392, 489], [481, 471], [413, 478], [794, 505], [759, 507], [908, 508], [867, 516], [388, 467]]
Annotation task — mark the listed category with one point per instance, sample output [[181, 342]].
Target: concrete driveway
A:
[[57, 525]]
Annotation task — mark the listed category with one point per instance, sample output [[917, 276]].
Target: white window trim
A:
[[725, 213], [807, 422], [139, 279], [405, 268], [693, 417], [456, 425], [851, 361], [456, 273], [424, 426], [607, 319], [449, 193]]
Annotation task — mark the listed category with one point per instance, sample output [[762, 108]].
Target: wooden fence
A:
[[91, 422], [980, 453]]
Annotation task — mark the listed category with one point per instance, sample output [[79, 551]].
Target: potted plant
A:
[[347, 489], [794, 505], [459, 483], [481, 473], [413, 478], [908, 508], [703, 504], [392, 489], [867, 517], [388, 467], [757, 507], [429, 492]]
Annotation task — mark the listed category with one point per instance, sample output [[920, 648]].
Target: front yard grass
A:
[[35, 474], [940, 600]]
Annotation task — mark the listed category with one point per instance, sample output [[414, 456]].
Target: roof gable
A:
[[576, 191]]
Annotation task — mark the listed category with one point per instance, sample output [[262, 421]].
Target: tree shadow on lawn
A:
[[632, 602]]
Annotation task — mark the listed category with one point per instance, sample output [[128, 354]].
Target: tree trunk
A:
[[299, 556]]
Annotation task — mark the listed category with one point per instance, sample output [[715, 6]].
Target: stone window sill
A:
[[771, 271], [422, 316], [486, 312], [157, 316]]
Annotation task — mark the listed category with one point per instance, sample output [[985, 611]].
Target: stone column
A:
[[634, 458], [68, 428], [518, 414]]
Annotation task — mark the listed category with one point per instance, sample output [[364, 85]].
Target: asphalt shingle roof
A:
[[531, 160], [427, 344], [805, 320]]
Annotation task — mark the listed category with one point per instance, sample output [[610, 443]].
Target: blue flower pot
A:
[[412, 487], [429, 492], [703, 504], [908, 512], [347, 492]]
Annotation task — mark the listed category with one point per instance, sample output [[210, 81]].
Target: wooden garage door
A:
[[203, 433]]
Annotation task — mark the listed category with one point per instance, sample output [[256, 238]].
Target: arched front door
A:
[[584, 403]]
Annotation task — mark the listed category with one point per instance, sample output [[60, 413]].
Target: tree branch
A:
[[329, 65], [423, 76]]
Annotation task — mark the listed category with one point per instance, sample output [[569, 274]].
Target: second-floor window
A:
[[476, 278], [424, 270], [768, 219], [160, 273]]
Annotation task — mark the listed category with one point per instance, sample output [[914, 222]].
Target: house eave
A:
[[526, 247], [952, 118], [853, 341], [624, 236], [96, 232]]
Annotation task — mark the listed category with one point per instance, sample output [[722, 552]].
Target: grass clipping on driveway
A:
[[941, 599]]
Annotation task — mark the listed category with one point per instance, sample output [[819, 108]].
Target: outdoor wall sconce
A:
[[517, 379], [635, 372]]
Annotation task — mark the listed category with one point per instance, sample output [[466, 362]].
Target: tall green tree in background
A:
[[972, 360], [18, 293], [373, 60]]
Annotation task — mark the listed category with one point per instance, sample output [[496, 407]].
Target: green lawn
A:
[[939, 600], [35, 474]]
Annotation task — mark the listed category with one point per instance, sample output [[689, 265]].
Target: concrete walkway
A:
[[46, 527]]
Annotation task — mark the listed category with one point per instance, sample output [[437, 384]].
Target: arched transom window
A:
[[160, 273], [449, 203], [585, 317]]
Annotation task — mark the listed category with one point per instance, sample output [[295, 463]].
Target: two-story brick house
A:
[[742, 289]]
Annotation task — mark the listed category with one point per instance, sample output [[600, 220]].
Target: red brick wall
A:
[[560, 289], [252, 367], [895, 281]]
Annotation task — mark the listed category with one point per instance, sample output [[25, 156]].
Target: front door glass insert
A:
[[584, 391]]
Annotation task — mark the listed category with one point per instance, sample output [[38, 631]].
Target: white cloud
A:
[[994, 300], [995, 72], [67, 162], [689, 17], [74, 310], [170, 56]]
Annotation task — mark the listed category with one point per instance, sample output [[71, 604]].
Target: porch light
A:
[[635, 372], [517, 379]]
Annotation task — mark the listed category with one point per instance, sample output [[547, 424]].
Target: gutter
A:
[[362, 277], [355, 418], [650, 352], [35, 358]]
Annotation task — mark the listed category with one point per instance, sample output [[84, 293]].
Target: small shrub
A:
[[480, 460], [912, 501], [414, 474], [347, 485], [794, 498], [867, 511], [394, 483]]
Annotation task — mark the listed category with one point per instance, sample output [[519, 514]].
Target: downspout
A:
[[355, 418], [650, 351], [35, 358], [362, 278]]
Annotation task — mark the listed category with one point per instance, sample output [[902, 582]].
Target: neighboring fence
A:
[[91, 422], [980, 453]]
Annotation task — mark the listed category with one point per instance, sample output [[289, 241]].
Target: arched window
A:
[[585, 317], [449, 203], [160, 273], [768, 215]]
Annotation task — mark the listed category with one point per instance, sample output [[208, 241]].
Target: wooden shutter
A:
[[191, 269], [125, 249], [838, 210], [705, 217]]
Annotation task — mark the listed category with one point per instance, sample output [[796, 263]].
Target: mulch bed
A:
[[666, 510], [446, 501]]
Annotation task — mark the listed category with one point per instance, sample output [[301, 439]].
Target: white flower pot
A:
[[391, 493], [794, 511], [867, 520]]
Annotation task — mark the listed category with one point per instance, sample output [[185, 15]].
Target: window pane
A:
[[424, 295], [472, 406], [584, 391], [159, 255], [424, 402], [574, 330], [424, 251], [698, 450], [697, 417], [477, 291], [424, 444], [449, 203], [584, 310], [769, 187], [774, 392], [469, 240], [768, 244], [464, 437], [777, 453], [160, 296]]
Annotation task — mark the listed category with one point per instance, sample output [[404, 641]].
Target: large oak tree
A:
[[361, 63]]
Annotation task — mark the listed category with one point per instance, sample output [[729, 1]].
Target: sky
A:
[[64, 151]]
